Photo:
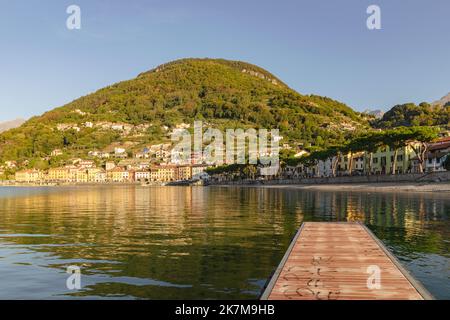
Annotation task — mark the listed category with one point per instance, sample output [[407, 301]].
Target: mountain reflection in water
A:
[[195, 242]]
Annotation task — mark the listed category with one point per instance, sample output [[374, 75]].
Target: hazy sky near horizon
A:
[[321, 47]]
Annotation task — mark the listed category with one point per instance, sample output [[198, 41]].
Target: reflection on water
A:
[[194, 243]]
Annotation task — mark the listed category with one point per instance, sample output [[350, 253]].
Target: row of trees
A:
[[234, 171], [416, 137]]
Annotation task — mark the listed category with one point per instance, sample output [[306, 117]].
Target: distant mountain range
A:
[[376, 113], [444, 101], [6, 125]]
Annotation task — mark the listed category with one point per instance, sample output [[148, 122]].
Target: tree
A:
[[447, 163], [353, 146], [395, 139], [315, 157], [372, 141], [422, 135], [334, 152]]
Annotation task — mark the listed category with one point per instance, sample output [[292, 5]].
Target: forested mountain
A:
[[224, 94], [410, 114]]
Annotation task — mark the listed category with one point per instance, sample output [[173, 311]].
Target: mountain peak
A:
[[11, 124], [445, 100], [241, 66]]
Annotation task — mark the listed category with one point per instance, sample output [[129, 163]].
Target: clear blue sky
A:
[[320, 46]]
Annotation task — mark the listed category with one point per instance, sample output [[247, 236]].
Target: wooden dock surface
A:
[[339, 261]]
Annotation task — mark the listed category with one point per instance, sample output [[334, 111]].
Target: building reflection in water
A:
[[177, 242]]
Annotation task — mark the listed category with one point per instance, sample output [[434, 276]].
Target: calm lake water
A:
[[195, 243]]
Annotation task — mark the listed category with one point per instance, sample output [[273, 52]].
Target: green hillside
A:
[[224, 94], [410, 114]]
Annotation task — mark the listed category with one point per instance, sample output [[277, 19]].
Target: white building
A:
[[438, 153], [142, 175]]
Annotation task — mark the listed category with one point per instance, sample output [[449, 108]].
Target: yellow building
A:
[[82, 176], [96, 175], [29, 176], [383, 160], [59, 175], [184, 173], [163, 173], [118, 174], [353, 160]]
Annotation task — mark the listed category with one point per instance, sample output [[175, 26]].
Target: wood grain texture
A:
[[330, 261]]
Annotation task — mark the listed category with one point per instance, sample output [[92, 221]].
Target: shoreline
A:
[[56, 185], [439, 187]]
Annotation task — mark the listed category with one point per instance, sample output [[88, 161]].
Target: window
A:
[[375, 160], [400, 157]]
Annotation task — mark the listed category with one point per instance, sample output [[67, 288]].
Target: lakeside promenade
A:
[[426, 182], [438, 187]]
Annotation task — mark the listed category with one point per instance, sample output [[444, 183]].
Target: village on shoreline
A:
[[141, 168]]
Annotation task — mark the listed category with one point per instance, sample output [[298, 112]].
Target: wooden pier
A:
[[340, 261]]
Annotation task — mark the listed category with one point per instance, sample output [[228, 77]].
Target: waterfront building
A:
[[163, 173], [293, 172], [323, 168], [350, 164], [183, 173], [383, 160], [95, 175], [118, 174], [82, 176], [72, 173], [29, 176], [436, 156], [142, 176], [61, 174]]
